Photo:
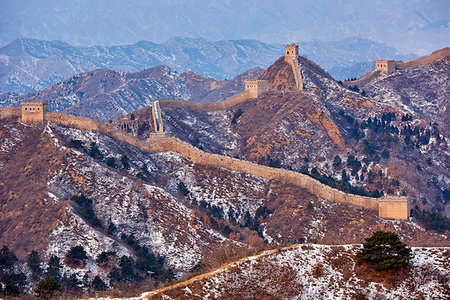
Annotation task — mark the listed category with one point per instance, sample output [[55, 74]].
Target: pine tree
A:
[[34, 263], [385, 250]]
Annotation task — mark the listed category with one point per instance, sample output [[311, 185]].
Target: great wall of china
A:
[[388, 207], [36, 112]]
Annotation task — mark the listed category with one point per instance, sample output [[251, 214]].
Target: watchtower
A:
[[394, 207], [256, 87], [385, 66], [33, 112], [291, 57], [291, 50]]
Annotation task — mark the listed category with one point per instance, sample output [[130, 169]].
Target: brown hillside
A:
[[402, 65], [280, 75], [27, 218]]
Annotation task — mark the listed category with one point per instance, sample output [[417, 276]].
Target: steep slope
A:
[[141, 195], [106, 94], [418, 87], [316, 271]]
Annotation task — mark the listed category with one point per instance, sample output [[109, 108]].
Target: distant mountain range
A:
[[28, 65], [417, 26]]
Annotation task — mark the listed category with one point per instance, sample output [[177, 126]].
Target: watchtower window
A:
[[39, 108]]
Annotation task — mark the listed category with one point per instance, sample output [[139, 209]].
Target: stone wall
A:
[[10, 113], [388, 207]]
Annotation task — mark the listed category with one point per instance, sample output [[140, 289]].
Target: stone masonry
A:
[[33, 112], [385, 66], [291, 57], [255, 88]]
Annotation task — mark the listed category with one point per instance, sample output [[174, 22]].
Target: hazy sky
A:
[[418, 26]]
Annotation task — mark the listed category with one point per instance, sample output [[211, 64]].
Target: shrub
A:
[[385, 251], [431, 220], [236, 116], [98, 284], [94, 151], [77, 144], [87, 212], [47, 287], [183, 188], [111, 162]]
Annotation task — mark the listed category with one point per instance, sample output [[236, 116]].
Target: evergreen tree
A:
[[76, 256], [34, 263], [98, 284], [337, 161], [125, 162], [7, 259], [385, 250], [53, 270]]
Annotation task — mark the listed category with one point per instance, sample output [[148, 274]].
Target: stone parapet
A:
[[10, 113]]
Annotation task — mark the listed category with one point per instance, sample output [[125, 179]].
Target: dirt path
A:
[[148, 295]]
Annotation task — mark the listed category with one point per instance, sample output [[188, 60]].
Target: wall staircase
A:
[[297, 73]]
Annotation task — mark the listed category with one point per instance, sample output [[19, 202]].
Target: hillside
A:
[[140, 195], [418, 87], [316, 271], [105, 94], [374, 142]]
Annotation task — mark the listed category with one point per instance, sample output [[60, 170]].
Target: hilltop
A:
[[168, 208], [418, 87], [29, 65]]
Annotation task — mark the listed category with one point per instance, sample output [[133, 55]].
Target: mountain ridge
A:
[[27, 65]]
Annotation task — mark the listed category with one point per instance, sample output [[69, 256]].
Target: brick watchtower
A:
[[291, 57], [290, 51], [385, 66], [256, 87], [33, 112]]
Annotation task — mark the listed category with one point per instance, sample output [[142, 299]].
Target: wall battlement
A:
[[385, 66]]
